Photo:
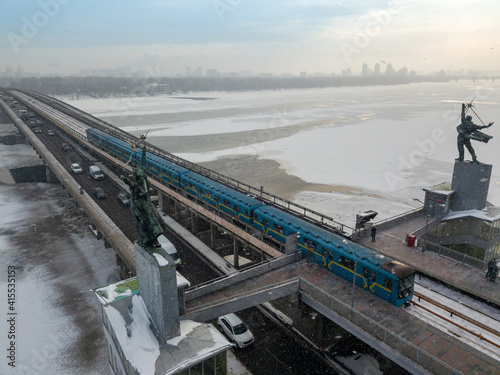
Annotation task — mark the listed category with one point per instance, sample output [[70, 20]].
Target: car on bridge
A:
[[124, 198], [50, 132], [75, 167], [99, 193], [37, 130], [236, 330]]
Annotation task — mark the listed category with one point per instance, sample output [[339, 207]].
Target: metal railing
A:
[[452, 254], [396, 342], [316, 217]]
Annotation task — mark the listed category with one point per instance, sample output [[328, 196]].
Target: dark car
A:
[[65, 147], [124, 198], [37, 130], [99, 193]]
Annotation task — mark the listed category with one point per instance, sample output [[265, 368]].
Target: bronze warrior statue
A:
[[467, 130], [148, 221]]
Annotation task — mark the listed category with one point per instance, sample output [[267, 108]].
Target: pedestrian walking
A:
[[490, 266], [493, 273], [374, 233]]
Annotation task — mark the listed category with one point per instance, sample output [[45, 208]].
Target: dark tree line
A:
[[112, 86]]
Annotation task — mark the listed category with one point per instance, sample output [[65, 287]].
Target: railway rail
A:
[[468, 324], [86, 120]]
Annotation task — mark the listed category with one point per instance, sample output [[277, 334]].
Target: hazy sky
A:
[[64, 36]]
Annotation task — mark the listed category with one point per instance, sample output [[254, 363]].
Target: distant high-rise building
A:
[[389, 71], [376, 70], [303, 74], [364, 69]]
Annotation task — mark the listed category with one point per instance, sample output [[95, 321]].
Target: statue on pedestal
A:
[[467, 130], [148, 221]]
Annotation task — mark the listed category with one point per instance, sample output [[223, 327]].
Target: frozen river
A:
[[340, 150]]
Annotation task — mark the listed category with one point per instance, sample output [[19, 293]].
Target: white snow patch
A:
[[141, 348], [160, 259]]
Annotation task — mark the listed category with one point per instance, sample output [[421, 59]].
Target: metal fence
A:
[[401, 345], [452, 254]]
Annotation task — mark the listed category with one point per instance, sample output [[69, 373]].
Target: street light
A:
[[379, 256], [355, 266]]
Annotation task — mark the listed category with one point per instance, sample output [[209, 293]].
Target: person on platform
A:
[[490, 266], [374, 233], [494, 271]]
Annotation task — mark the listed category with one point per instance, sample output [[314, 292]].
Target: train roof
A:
[[99, 132], [221, 189], [400, 270], [163, 162]]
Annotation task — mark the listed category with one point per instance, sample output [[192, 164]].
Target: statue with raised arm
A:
[[148, 221], [467, 130]]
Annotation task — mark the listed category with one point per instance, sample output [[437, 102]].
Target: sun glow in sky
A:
[[65, 36]]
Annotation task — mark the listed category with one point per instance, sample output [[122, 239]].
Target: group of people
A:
[[492, 270]]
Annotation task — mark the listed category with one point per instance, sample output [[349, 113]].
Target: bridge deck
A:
[[453, 352], [391, 242]]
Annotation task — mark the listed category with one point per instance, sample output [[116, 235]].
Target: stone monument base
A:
[[157, 281], [470, 183]]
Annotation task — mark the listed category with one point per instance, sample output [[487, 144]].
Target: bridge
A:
[[274, 275]]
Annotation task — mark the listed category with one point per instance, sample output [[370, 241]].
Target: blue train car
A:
[[165, 170], [222, 197], [387, 278]]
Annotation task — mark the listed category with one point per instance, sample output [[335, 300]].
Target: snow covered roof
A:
[[139, 339], [491, 214], [443, 188], [129, 287], [197, 342]]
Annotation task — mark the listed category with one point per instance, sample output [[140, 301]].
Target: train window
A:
[[366, 272], [237, 209], [226, 202], [217, 198], [373, 276], [309, 244], [265, 222], [278, 228], [330, 255], [388, 283], [191, 185], [208, 193], [246, 213], [324, 253], [347, 263], [200, 190]]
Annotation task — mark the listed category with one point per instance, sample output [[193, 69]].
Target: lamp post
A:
[[355, 266]]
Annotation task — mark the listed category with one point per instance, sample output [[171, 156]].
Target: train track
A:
[[78, 122], [470, 325]]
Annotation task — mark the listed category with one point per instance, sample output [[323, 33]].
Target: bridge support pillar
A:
[[51, 177]]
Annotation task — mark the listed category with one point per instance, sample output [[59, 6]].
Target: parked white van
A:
[[96, 172], [170, 249]]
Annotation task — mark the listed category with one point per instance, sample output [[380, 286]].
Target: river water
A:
[[340, 150]]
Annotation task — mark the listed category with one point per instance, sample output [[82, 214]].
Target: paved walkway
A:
[[391, 242], [447, 348]]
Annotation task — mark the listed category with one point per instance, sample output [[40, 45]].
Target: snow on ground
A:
[[57, 261], [386, 141], [469, 307]]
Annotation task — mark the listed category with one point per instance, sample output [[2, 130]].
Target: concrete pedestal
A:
[[470, 183], [158, 288]]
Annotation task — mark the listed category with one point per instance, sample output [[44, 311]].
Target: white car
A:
[[236, 330], [76, 168]]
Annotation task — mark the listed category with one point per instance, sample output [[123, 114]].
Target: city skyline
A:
[[62, 37]]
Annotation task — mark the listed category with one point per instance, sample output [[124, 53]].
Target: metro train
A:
[[388, 279]]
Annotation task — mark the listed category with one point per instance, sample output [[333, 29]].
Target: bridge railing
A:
[[327, 222], [396, 342]]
